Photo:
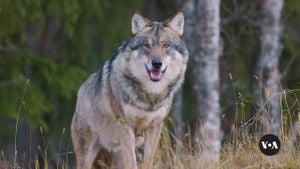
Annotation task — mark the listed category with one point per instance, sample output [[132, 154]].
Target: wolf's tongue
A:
[[155, 74]]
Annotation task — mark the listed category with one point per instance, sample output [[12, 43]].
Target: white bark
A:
[[267, 84], [206, 75]]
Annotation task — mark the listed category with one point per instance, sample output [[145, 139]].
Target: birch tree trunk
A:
[[267, 83], [206, 79]]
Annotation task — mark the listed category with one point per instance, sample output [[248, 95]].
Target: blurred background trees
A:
[[206, 77], [267, 86], [48, 48]]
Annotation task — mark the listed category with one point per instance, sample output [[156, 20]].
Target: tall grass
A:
[[245, 153], [242, 150], [174, 154]]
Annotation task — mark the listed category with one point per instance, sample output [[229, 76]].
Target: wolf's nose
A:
[[156, 63]]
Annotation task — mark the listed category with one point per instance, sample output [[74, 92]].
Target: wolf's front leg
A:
[[152, 136], [124, 152]]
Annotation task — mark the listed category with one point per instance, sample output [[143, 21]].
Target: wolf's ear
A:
[[138, 23], [176, 23]]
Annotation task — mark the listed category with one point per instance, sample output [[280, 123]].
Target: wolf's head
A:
[[156, 54]]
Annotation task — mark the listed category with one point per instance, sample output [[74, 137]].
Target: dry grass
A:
[[244, 154]]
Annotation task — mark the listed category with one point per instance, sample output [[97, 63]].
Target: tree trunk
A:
[[267, 83], [206, 79]]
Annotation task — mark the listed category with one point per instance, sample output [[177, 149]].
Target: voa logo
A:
[[269, 144], [272, 145]]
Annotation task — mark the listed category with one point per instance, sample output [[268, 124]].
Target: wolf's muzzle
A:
[[156, 72], [156, 63]]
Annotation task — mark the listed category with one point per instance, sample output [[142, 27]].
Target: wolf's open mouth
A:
[[155, 74]]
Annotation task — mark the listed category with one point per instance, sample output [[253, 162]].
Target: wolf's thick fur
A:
[[120, 109]]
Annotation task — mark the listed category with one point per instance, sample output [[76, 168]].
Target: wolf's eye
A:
[[165, 45], [146, 45]]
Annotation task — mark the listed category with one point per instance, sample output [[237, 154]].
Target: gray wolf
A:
[[120, 109]]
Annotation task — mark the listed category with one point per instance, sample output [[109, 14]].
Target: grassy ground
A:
[[242, 154], [239, 154]]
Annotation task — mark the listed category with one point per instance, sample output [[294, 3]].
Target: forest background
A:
[[48, 48]]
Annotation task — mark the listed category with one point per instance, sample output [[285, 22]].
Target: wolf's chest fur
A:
[[141, 120]]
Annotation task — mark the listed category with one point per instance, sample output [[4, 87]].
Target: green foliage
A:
[[54, 44], [49, 81]]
